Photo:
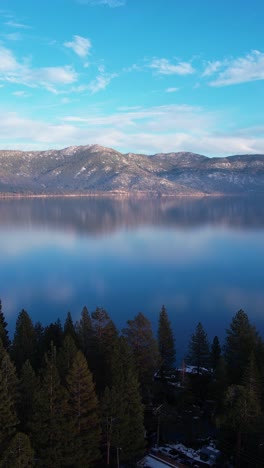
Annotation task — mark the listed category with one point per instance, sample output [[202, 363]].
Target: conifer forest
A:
[[86, 394]]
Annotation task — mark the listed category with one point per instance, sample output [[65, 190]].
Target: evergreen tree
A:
[[84, 331], [123, 412], [215, 353], [24, 343], [166, 341], [69, 328], [103, 341], [28, 386], [66, 356], [241, 416], [3, 329], [8, 373], [8, 417], [144, 347], [53, 334], [19, 453], [199, 354], [241, 340], [49, 424], [83, 413]]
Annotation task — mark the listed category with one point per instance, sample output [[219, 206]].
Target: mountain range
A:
[[96, 169]]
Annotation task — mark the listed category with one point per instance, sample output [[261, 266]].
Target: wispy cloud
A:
[[240, 70], [13, 71], [101, 82], [172, 90], [212, 67], [14, 24], [80, 45], [110, 3], [16, 36], [165, 67], [148, 130]]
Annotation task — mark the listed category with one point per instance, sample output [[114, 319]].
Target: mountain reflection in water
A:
[[202, 258]]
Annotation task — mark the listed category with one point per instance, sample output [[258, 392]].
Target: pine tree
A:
[[28, 387], [83, 413], [69, 328], [8, 417], [199, 354], [241, 340], [8, 373], [3, 329], [123, 412], [66, 356], [19, 453], [24, 343], [103, 341], [215, 353], [53, 334], [49, 424], [84, 331], [144, 347], [166, 342]]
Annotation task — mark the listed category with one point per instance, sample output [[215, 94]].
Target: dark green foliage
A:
[[241, 340], [104, 338], [84, 331], [8, 417], [9, 375], [66, 356], [3, 329], [53, 333], [199, 354], [123, 412], [83, 413], [69, 328], [19, 453], [144, 347], [49, 424], [25, 341], [166, 341], [28, 386], [215, 353]]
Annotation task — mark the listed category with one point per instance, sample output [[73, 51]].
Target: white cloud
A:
[[148, 130], [8, 62], [165, 67], [171, 90], [14, 24], [80, 45], [13, 71], [101, 82], [110, 3], [56, 75], [20, 94], [212, 67], [241, 70]]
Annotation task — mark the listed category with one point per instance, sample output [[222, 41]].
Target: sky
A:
[[143, 76]]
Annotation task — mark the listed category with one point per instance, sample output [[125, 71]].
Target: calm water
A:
[[203, 259]]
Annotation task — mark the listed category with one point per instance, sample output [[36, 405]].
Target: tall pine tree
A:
[[3, 329], [83, 413], [24, 342], [166, 342], [199, 354]]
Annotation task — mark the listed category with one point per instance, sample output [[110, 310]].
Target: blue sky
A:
[[142, 76]]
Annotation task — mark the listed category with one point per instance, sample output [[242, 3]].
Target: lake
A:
[[202, 258]]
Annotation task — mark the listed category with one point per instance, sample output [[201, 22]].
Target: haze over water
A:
[[202, 258]]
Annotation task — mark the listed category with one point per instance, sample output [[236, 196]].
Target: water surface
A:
[[202, 258]]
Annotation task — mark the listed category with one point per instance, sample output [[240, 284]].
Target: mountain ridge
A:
[[96, 169]]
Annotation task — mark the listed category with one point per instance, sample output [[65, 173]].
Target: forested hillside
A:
[[85, 394]]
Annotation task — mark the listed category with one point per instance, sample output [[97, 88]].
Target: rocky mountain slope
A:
[[93, 168]]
